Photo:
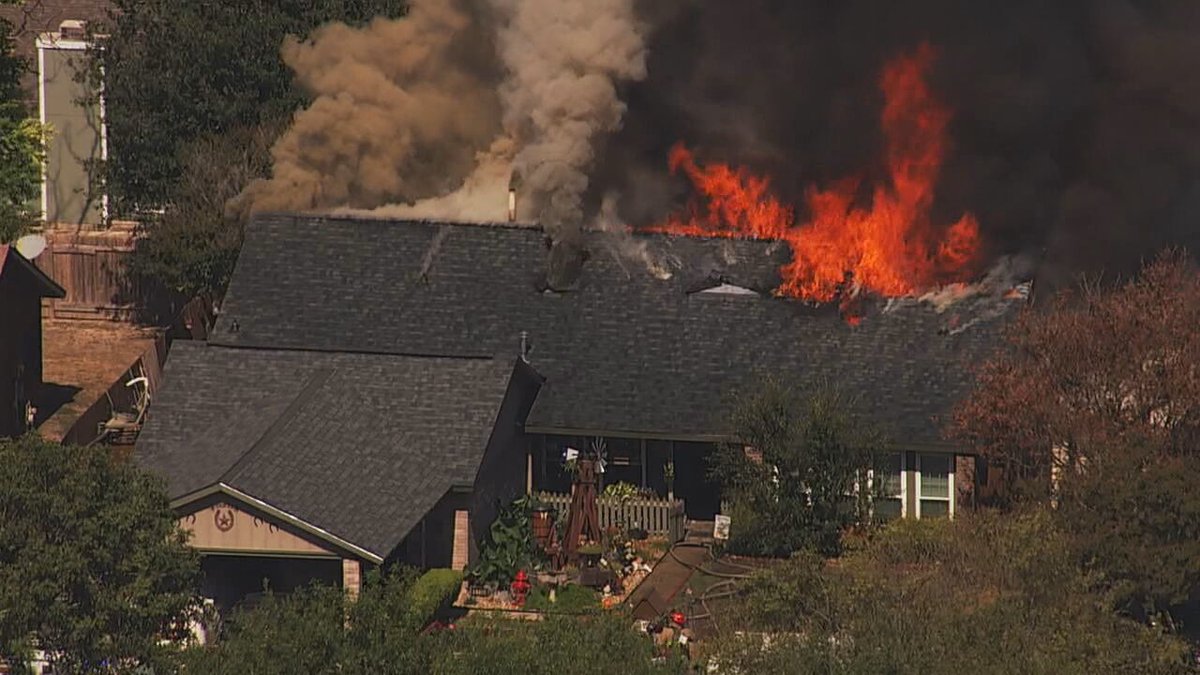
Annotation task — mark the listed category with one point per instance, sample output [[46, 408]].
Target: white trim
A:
[[100, 95], [917, 483], [903, 484], [41, 50], [949, 485], [278, 513], [52, 41]]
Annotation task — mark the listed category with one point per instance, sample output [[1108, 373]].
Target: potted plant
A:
[[590, 553]]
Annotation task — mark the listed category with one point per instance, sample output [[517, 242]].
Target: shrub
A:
[[992, 593], [431, 592], [510, 546], [795, 493]]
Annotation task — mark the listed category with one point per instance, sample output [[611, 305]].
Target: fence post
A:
[[675, 516]]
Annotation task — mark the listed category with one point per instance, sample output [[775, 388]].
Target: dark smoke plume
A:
[[1076, 135]]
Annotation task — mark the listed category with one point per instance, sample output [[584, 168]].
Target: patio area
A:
[[81, 360]]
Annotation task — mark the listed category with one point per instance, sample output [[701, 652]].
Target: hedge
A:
[[433, 590]]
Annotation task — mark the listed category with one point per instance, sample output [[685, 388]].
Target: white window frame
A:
[[903, 496], [950, 486]]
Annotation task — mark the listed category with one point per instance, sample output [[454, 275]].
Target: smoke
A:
[[1075, 140], [1076, 136], [482, 196], [564, 61], [400, 110], [432, 114]]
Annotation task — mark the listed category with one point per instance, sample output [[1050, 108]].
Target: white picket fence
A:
[[659, 517]]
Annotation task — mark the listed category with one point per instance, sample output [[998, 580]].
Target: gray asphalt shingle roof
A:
[[626, 351], [360, 445]]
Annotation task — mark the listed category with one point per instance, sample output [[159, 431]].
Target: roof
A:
[[12, 263], [631, 349], [359, 445]]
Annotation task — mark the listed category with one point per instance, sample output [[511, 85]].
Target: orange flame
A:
[[891, 248]]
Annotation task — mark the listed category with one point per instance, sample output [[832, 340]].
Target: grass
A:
[[572, 599]]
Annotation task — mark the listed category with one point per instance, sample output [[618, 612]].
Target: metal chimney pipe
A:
[[514, 182], [525, 348]]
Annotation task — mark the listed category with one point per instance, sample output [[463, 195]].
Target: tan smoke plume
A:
[[401, 108], [429, 115], [563, 62]]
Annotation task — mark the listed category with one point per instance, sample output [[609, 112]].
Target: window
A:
[[624, 461], [888, 497], [935, 482], [548, 471]]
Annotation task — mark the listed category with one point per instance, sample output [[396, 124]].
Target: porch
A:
[[658, 517], [668, 468]]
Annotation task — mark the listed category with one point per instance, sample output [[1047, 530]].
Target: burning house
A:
[[372, 387], [844, 208]]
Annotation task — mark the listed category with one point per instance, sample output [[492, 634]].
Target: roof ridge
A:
[[217, 342], [306, 393], [371, 219]]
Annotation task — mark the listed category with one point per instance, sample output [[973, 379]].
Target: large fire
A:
[[891, 248]]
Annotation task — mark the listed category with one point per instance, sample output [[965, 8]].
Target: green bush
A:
[[811, 450], [431, 592], [985, 593], [510, 545]]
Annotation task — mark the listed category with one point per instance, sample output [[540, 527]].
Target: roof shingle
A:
[[628, 350], [360, 445]]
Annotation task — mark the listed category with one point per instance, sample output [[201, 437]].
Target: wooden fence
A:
[[90, 265], [659, 517]]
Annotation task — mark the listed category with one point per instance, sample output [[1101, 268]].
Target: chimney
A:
[[514, 182], [72, 29]]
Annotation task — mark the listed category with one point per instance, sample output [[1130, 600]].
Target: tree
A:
[[176, 72], [985, 593], [795, 489], [1095, 405], [22, 146], [192, 247], [302, 632], [93, 567], [1100, 368]]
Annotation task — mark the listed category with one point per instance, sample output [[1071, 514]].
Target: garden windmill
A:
[[583, 521]]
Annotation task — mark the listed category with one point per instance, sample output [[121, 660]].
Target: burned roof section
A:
[[627, 347]]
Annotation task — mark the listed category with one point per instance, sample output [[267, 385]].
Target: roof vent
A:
[[526, 347], [72, 29], [719, 284], [728, 289], [564, 265]]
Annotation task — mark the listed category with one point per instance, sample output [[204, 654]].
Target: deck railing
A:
[[658, 517]]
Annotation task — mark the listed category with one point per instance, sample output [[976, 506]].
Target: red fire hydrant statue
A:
[[520, 588]]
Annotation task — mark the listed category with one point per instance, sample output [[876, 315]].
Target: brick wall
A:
[[461, 557], [351, 576]]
